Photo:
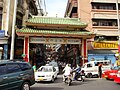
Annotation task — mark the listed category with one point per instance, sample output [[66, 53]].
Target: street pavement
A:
[[89, 84]]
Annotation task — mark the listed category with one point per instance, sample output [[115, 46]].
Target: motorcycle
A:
[[80, 76], [68, 79]]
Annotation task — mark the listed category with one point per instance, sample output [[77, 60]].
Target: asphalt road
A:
[[89, 84]]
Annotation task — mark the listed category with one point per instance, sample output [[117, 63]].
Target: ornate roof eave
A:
[[54, 33], [60, 36]]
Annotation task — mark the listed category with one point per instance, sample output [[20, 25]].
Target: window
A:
[[89, 65], [2, 69], [13, 67], [104, 22], [54, 69], [25, 66], [107, 38], [104, 6]]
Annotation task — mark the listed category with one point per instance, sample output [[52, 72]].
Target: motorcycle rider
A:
[[67, 71], [77, 70]]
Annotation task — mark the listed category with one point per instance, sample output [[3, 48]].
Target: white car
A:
[[46, 73], [55, 64]]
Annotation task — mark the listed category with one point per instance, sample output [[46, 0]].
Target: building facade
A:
[[101, 17], [24, 10]]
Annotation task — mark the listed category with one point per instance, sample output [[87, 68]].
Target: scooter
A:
[[80, 76], [68, 79]]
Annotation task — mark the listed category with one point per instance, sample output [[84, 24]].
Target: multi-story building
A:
[[101, 17], [24, 10]]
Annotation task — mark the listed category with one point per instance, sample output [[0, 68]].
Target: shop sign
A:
[[54, 40], [105, 45], [2, 33], [37, 40], [73, 41]]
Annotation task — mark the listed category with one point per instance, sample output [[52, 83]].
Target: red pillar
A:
[[84, 50], [26, 49]]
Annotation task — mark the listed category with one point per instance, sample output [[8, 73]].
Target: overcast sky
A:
[[54, 7]]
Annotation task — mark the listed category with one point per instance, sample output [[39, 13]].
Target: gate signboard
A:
[[55, 40]]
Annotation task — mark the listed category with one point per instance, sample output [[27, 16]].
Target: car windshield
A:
[[45, 69]]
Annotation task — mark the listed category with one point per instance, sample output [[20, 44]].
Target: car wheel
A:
[[25, 86], [89, 75], [52, 79]]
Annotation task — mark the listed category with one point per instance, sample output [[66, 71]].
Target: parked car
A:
[[117, 78], [91, 67], [54, 64], [46, 73], [16, 74], [111, 74]]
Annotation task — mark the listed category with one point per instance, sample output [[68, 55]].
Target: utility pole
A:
[[13, 30]]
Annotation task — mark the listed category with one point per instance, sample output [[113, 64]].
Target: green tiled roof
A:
[[36, 31], [58, 21]]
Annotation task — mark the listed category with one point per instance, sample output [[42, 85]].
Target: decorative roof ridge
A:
[[55, 17]]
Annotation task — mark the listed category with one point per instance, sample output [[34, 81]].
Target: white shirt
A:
[[67, 70]]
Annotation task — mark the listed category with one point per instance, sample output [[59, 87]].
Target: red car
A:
[[111, 74], [117, 78]]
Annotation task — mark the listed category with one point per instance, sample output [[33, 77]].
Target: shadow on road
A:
[[87, 81], [58, 80], [46, 88]]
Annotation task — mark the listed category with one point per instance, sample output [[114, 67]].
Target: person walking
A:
[[117, 61], [34, 67], [100, 70]]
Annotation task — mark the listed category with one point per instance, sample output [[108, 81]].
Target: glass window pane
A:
[[2, 69], [12, 67]]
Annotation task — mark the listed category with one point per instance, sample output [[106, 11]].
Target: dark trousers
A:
[[100, 74]]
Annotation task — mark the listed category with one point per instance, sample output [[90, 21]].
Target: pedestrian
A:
[[117, 61], [100, 70], [34, 67]]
